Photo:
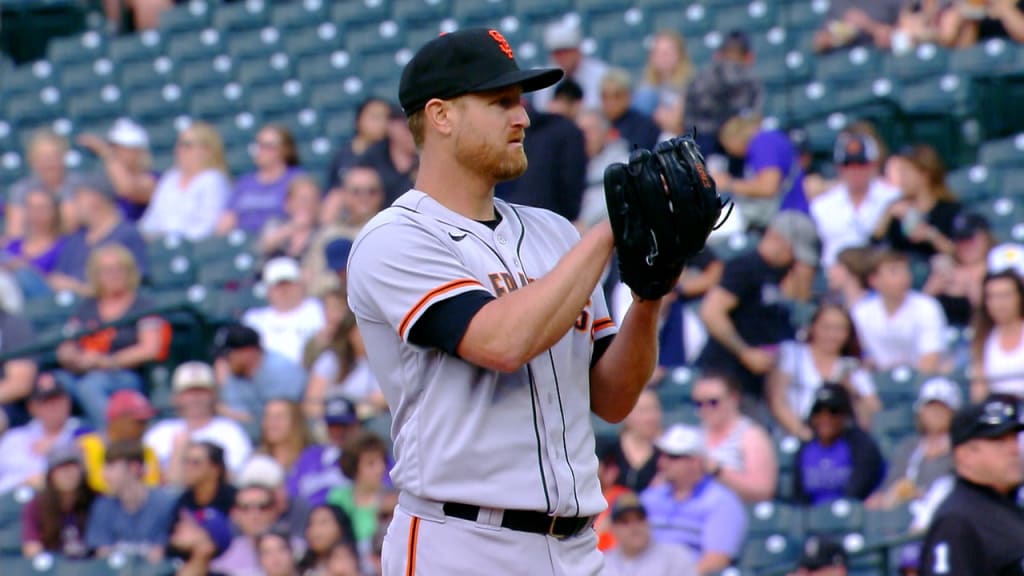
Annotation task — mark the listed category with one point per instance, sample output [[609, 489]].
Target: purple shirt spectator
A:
[[712, 519], [75, 252], [44, 262], [772, 149], [316, 471], [255, 202]]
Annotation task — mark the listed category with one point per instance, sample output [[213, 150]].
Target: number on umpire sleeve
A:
[[941, 553]]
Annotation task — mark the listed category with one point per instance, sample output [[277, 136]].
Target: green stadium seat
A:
[[221, 248], [316, 154], [895, 422], [263, 71], [354, 13], [163, 134], [595, 6], [541, 9], [974, 183], [31, 110], [11, 504], [803, 15], [163, 102], [173, 271], [249, 44], [1003, 213], [990, 58], [341, 124], [897, 386], [239, 129], [411, 11], [479, 11], [813, 100], [303, 125], [627, 53], [67, 50], [756, 16], [239, 16], [771, 43], [772, 552], [772, 517], [238, 270], [654, 4], [822, 134], [196, 45], [145, 46], [786, 448], [338, 94], [12, 166], [50, 310], [292, 15], [216, 101], [312, 42], [924, 61], [386, 35], [675, 388], [771, 70], [1006, 152], [848, 67], [238, 159], [223, 306], [185, 18], [884, 524], [197, 74], [619, 26], [147, 74], [681, 414], [290, 96], [383, 64], [693, 22], [29, 78], [7, 140], [839, 517], [103, 103], [86, 74], [1012, 182]]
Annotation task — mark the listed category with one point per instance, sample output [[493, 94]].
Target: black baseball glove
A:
[[662, 206]]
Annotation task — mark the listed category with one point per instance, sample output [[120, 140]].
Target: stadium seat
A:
[[11, 504], [175, 271], [355, 13], [238, 130], [106, 102], [214, 101], [619, 26], [197, 74], [772, 552], [144, 46], [416, 11], [772, 43], [236, 271], [770, 517], [222, 306], [895, 422], [538, 10], [595, 6], [292, 15], [382, 64], [29, 78], [1003, 213], [839, 517], [86, 74], [756, 16], [693, 22], [249, 44], [194, 15], [813, 100], [898, 385], [222, 248], [847, 67], [386, 35], [239, 16], [337, 95], [340, 124], [802, 15], [469, 12], [924, 61], [305, 124], [312, 42], [989, 58], [286, 97], [263, 71], [196, 45], [67, 50], [974, 183], [883, 524], [627, 53], [143, 74], [316, 154], [1012, 182], [1006, 152], [33, 109]]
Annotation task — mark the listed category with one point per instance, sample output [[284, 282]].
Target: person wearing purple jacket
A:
[[316, 470], [259, 196]]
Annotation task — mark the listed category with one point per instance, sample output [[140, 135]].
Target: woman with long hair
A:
[[668, 72], [293, 235], [33, 255], [54, 521], [260, 196], [276, 557], [830, 353], [955, 280], [371, 126], [997, 351], [283, 432], [191, 196], [635, 453], [326, 526], [920, 222]]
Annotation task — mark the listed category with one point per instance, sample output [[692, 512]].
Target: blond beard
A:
[[498, 165]]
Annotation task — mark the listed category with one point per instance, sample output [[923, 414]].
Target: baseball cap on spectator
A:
[[562, 35], [97, 183], [939, 389], [339, 410], [799, 230], [967, 224], [992, 418], [464, 62], [216, 526], [128, 134], [235, 337], [681, 440], [336, 254], [281, 269], [834, 398], [854, 149], [736, 40], [800, 141], [63, 453], [395, 112], [260, 471], [627, 502], [129, 403], [192, 375], [820, 552], [45, 387], [1005, 257]]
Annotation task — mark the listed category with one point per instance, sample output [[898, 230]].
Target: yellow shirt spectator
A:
[[127, 413]]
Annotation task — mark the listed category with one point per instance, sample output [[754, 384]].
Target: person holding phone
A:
[[972, 21]]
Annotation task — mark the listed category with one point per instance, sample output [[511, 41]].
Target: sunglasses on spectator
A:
[[709, 402], [262, 506]]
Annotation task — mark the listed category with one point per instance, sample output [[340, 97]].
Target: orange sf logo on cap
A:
[[502, 43], [853, 147]]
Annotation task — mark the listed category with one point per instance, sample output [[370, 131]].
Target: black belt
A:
[[526, 520]]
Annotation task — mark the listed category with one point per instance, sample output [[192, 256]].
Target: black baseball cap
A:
[[854, 149], [463, 62], [833, 397], [820, 552], [46, 386], [339, 410], [627, 502], [992, 418], [966, 225], [235, 337]]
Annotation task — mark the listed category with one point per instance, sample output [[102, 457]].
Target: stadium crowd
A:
[[265, 466]]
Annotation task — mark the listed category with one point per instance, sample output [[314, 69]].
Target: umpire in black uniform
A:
[[979, 529]]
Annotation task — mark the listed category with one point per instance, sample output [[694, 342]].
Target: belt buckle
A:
[[551, 530]]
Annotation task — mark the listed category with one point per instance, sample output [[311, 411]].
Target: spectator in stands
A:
[[840, 460], [32, 256], [850, 23], [134, 519], [195, 398], [921, 221], [293, 236], [394, 158], [262, 470], [191, 196], [283, 433], [603, 147], [45, 155], [567, 100], [956, 281], [103, 361], [127, 163], [202, 535], [372, 118], [920, 460], [847, 277], [830, 353], [703, 272], [662, 91], [363, 461], [740, 455], [317, 470], [16, 374], [327, 526], [342, 560], [848, 213], [616, 96], [290, 317], [773, 178], [558, 162], [143, 14], [899, 326], [358, 198], [205, 480], [635, 552], [24, 448], [723, 89], [128, 413], [919, 23], [276, 557], [54, 521], [100, 224], [997, 351], [691, 508], [253, 515], [259, 197], [562, 40], [607, 473], [969, 23], [249, 375], [744, 314], [636, 454], [821, 556]]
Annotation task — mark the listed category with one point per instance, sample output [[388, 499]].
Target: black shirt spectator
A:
[[556, 174], [616, 97], [371, 127], [16, 375], [394, 158], [723, 89]]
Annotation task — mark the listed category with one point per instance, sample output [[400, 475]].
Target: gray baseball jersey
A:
[[520, 440]]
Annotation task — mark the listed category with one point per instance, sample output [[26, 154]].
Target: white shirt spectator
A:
[[221, 431], [19, 460], [659, 559], [286, 332], [795, 361], [916, 329], [1003, 369], [841, 225], [358, 385], [588, 75], [191, 211]]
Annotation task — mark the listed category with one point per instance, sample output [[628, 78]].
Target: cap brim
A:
[[529, 80], [998, 431]]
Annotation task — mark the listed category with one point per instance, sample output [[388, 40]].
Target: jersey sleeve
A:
[[603, 325], [397, 271], [952, 547]]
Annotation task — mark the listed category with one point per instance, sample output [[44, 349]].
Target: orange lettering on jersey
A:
[[98, 341], [510, 283], [502, 43], [496, 283], [523, 281], [582, 321]]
